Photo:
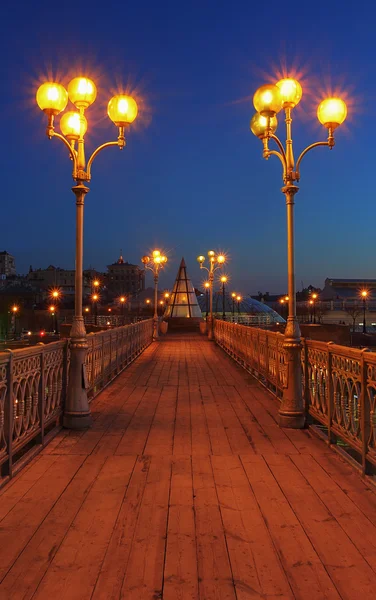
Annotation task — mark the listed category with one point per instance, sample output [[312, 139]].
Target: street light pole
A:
[[207, 287], [268, 101], [155, 263], [224, 281], [364, 297], [52, 98], [233, 296], [238, 298], [214, 258]]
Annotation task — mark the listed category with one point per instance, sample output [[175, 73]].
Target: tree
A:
[[353, 310]]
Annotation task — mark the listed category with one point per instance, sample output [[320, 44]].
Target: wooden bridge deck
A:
[[185, 488]]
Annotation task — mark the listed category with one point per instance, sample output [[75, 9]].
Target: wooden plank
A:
[[305, 572], [23, 520], [180, 572], [23, 482], [254, 561], [253, 396], [354, 523], [108, 444], [136, 434], [25, 575], [352, 484], [74, 569], [217, 432], [258, 440], [182, 435], [214, 570], [200, 435], [235, 433], [144, 573], [112, 572], [336, 551], [161, 436]]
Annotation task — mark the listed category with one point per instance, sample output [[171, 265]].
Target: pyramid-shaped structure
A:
[[183, 302]]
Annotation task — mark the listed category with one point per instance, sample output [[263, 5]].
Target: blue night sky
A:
[[192, 177]]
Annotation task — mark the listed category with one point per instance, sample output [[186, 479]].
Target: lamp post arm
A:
[[329, 142], [282, 157], [279, 144], [120, 143], [206, 268], [51, 133]]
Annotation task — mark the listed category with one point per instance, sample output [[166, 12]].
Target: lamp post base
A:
[[291, 411], [76, 411], [210, 328], [155, 329]]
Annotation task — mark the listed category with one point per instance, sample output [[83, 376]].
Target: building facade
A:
[[125, 278], [55, 277], [7, 265]]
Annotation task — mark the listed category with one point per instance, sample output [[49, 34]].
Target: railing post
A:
[[330, 396], [306, 397], [102, 365], [365, 424], [64, 376], [42, 394], [9, 413]]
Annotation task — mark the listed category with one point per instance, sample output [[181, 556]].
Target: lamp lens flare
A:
[[122, 110], [221, 259], [73, 125], [82, 92], [259, 125], [332, 112], [291, 92], [52, 97], [268, 100]]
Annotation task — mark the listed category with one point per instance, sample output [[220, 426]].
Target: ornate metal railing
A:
[[111, 351], [33, 383], [339, 383]]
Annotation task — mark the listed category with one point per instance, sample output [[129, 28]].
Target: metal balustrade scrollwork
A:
[[339, 383], [33, 383]]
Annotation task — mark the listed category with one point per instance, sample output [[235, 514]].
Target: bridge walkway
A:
[[185, 488]]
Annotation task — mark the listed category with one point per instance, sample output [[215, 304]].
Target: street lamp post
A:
[[364, 295], [155, 263], [56, 297], [52, 310], [238, 298], [15, 310], [268, 101], [207, 287], [52, 98], [223, 281], [214, 259], [314, 298], [122, 304], [233, 296], [95, 299]]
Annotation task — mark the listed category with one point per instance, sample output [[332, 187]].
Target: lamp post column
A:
[[364, 316], [211, 282], [291, 412], [223, 300], [207, 303], [77, 411], [155, 318]]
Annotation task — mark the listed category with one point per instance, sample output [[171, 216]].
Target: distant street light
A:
[[155, 263], [94, 299], [207, 287], [224, 281], [214, 259], [239, 299], [52, 98], [233, 296], [314, 298], [268, 101], [122, 304], [364, 295]]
